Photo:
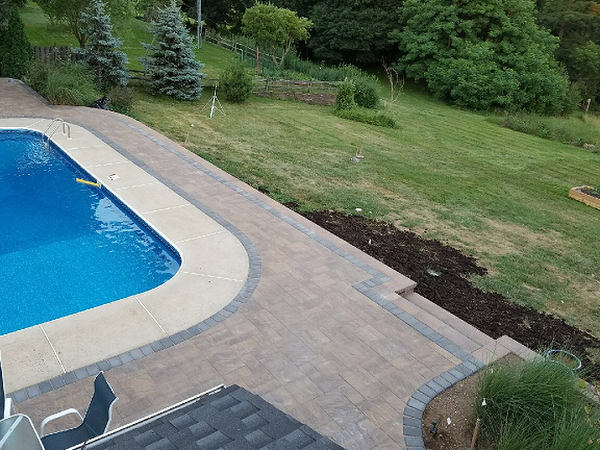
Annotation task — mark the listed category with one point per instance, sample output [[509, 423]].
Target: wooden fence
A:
[[54, 54], [268, 84]]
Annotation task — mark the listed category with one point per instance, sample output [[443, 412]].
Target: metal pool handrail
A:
[[66, 129]]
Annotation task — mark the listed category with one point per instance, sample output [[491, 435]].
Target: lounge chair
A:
[[95, 423], [5, 403]]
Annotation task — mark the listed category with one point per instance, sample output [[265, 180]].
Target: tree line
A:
[[541, 56]]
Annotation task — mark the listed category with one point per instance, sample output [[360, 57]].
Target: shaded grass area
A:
[[41, 32], [133, 33]]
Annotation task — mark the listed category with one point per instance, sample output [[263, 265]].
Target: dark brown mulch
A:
[[592, 192], [314, 99], [442, 276]]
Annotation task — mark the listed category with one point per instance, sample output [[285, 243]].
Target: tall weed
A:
[[578, 129]]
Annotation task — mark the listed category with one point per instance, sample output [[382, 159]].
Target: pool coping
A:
[[243, 293]]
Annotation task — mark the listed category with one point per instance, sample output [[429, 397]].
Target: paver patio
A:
[[324, 336]]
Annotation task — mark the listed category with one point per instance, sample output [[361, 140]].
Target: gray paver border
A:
[[366, 287], [412, 420]]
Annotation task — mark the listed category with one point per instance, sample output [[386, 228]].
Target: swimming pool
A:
[[65, 246]]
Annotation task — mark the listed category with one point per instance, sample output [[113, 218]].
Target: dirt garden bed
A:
[[442, 275], [313, 99], [587, 195]]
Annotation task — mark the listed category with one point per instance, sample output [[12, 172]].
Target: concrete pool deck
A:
[[330, 335], [214, 268]]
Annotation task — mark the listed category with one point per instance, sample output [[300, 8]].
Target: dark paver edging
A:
[[366, 287], [412, 420]]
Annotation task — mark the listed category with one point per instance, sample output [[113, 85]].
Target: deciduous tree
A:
[[276, 29], [353, 31], [482, 54]]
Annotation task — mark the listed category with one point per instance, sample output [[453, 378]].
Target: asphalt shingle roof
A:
[[231, 419]]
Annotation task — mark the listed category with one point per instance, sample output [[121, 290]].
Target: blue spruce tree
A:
[[170, 67], [107, 63]]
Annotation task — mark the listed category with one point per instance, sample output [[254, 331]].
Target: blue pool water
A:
[[65, 246]]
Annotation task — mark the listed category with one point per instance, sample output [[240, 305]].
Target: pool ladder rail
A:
[[66, 129]]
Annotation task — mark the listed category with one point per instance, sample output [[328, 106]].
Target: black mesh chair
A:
[[96, 421], [5, 403]]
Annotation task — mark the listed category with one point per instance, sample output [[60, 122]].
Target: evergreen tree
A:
[[170, 66], [107, 63], [15, 50], [482, 54]]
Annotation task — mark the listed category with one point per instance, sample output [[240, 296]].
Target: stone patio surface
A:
[[325, 335]]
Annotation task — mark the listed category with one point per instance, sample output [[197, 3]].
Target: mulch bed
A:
[[313, 99], [442, 275]]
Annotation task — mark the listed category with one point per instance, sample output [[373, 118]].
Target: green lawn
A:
[[445, 173]]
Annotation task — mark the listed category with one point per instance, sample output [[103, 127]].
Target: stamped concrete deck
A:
[[324, 335]]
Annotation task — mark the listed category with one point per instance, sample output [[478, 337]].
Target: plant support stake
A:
[[475, 433]]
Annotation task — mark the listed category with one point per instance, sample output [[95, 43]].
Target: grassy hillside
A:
[[133, 34], [445, 173]]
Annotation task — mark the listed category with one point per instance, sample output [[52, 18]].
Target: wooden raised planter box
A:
[[588, 199]]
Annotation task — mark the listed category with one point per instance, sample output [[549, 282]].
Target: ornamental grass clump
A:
[[536, 405]]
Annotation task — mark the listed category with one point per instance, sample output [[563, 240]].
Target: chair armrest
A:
[[7, 407], [58, 415]]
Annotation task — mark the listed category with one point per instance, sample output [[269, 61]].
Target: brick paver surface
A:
[[307, 341]]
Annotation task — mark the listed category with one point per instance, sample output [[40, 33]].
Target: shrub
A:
[[344, 100], [70, 84], [366, 116], [236, 83], [367, 92], [37, 77], [533, 405], [122, 99]]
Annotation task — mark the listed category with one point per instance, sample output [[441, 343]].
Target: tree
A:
[[577, 24], [70, 12], [353, 31], [275, 28], [15, 50], [107, 63], [586, 68], [481, 54], [171, 67]]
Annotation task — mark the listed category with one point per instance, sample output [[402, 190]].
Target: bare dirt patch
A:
[[442, 275], [457, 404]]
